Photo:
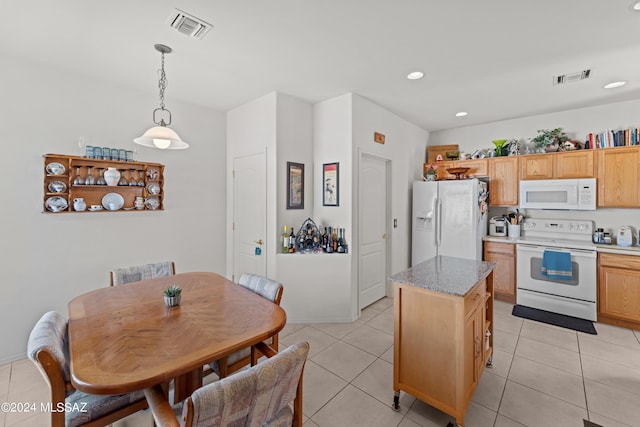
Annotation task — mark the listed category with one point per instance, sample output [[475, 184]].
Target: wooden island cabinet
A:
[[443, 331]]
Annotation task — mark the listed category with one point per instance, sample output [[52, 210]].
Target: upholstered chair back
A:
[[142, 272], [262, 395]]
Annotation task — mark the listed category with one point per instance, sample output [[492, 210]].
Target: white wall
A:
[[294, 144], [577, 124], [404, 145], [251, 129], [48, 259]]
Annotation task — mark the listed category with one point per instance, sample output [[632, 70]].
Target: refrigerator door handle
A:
[[433, 215], [439, 229], [437, 225]]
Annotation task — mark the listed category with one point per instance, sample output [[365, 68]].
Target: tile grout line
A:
[[508, 372]]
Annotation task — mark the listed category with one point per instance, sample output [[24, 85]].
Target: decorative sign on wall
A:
[[330, 181], [295, 185], [378, 137]]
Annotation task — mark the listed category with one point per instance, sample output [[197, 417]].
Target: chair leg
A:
[[297, 404]]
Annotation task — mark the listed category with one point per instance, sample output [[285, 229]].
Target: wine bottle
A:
[[329, 242], [340, 248], [325, 238], [344, 241], [292, 241], [285, 241], [335, 240]]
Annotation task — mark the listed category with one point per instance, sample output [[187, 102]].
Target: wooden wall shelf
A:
[[149, 177]]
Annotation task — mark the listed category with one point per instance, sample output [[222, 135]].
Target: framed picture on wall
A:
[[330, 183], [295, 185]]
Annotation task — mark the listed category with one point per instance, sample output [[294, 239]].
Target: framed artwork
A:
[[295, 185], [330, 182]]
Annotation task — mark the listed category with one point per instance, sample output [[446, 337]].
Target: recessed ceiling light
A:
[[415, 75], [461, 114], [636, 6], [614, 85]]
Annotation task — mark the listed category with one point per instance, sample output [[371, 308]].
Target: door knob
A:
[[384, 236], [258, 242]]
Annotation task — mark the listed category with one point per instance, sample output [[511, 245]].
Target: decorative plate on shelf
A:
[[152, 203], [55, 168], [57, 187], [153, 188], [113, 201], [56, 204]]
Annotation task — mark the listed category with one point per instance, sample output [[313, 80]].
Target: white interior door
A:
[[372, 265], [249, 218]]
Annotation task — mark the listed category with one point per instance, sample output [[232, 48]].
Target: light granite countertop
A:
[[499, 239], [450, 275]]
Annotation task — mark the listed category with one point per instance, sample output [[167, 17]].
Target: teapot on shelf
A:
[[79, 204]]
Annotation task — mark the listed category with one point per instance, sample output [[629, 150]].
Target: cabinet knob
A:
[[258, 242]]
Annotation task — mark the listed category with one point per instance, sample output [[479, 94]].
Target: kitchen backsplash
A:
[[609, 219]]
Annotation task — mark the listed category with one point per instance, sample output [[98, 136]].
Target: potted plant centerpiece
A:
[[550, 140], [430, 172], [172, 295]]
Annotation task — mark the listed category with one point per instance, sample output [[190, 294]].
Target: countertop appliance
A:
[[625, 236], [573, 295], [498, 226], [449, 218], [570, 194]]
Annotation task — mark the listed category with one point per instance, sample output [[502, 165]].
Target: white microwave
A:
[[570, 194]]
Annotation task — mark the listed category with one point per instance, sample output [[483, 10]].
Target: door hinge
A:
[[233, 173], [233, 225]]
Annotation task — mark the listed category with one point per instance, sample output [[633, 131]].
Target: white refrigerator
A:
[[449, 218]]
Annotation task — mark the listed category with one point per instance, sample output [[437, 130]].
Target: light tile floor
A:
[[542, 376]]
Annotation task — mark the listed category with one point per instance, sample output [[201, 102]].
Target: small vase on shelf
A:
[[112, 176]]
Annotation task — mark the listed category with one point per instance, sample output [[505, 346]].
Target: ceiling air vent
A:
[[571, 78], [188, 24]]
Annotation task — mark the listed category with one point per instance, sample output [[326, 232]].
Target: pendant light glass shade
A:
[[161, 136]]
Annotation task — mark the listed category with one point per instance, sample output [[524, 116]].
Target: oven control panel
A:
[[558, 226]]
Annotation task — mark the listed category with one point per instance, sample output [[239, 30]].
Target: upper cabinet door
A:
[[477, 167], [575, 164], [618, 174], [503, 181], [537, 166]]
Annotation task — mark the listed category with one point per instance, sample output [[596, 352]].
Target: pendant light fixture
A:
[[161, 136]]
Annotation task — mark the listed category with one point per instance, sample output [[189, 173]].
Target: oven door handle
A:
[[574, 252]]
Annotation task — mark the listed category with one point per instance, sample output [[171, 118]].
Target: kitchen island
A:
[[443, 331]]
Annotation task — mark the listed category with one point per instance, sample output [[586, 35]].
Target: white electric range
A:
[[574, 296]]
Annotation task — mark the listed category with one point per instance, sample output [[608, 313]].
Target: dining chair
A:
[[267, 394], [48, 349], [268, 289], [142, 272]]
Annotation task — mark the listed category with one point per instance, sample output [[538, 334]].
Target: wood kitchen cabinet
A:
[[536, 166], [564, 165], [503, 181], [574, 164], [619, 290], [477, 168], [618, 177], [504, 274]]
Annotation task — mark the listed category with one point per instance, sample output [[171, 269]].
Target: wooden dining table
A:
[[123, 338]]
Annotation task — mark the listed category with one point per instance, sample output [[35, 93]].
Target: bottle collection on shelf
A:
[[310, 240]]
